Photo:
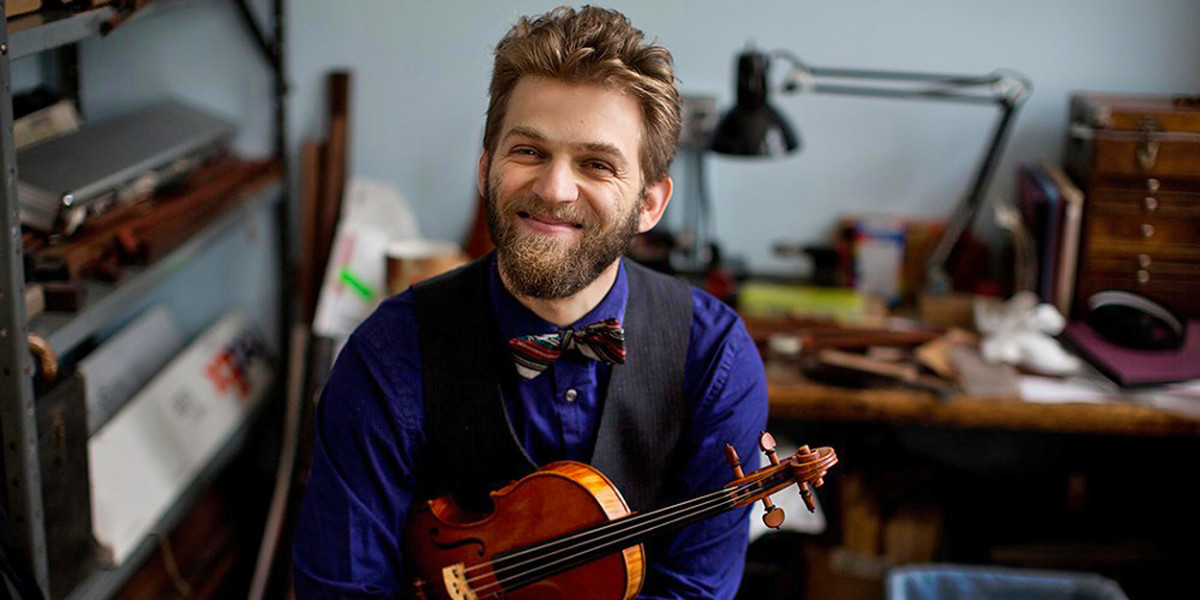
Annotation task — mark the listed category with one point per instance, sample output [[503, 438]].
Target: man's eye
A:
[[524, 151], [600, 165]]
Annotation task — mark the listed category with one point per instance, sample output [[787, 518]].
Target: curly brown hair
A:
[[592, 46]]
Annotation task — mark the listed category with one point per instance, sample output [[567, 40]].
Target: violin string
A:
[[513, 581], [632, 527], [624, 522], [572, 542], [611, 526], [616, 524], [737, 495], [651, 522], [638, 520], [562, 563]]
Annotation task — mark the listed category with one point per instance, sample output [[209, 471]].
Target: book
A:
[[1070, 223], [1038, 202], [1136, 368]]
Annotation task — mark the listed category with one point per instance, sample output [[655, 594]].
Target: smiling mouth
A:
[[547, 220]]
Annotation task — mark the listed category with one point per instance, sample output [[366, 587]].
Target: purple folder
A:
[[1132, 368]]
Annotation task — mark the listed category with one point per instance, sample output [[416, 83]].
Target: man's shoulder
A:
[[390, 325], [713, 316], [712, 319], [397, 317]]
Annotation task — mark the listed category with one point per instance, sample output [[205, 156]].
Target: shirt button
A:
[[571, 395]]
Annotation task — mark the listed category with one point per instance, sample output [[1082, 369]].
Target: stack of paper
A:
[[149, 453]]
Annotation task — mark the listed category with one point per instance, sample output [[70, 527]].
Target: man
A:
[[443, 389]]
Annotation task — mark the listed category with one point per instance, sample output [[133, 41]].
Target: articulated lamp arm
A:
[[1006, 90]]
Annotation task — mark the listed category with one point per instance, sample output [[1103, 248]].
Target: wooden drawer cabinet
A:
[[1138, 161], [1177, 283], [1119, 153], [1125, 224]]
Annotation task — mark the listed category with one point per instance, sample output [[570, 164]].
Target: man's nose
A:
[[557, 182]]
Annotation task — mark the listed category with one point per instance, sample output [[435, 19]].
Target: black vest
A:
[[471, 447]]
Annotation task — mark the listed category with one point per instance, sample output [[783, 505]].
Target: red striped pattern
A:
[[602, 340]]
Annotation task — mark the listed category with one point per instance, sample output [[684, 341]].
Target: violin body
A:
[[446, 544], [564, 531]]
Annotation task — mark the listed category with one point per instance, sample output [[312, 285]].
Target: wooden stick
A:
[[333, 169], [310, 192]]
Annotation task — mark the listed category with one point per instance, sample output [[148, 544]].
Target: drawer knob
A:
[[1153, 184], [1143, 276], [1147, 230], [1144, 261], [1151, 203]]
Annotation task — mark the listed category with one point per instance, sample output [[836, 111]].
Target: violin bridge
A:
[[455, 578]]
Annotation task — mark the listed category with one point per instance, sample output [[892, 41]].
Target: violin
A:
[[564, 531]]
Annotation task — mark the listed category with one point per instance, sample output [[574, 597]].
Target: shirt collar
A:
[[517, 320]]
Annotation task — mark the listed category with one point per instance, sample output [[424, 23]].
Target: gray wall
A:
[[421, 71], [421, 74]]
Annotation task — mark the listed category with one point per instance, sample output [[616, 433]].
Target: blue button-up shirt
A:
[[367, 459]]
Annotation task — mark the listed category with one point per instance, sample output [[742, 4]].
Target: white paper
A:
[[1051, 390], [355, 281], [149, 453], [117, 369], [373, 216], [379, 205], [1179, 398]]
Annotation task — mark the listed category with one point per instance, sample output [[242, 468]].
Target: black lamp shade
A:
[[753, 127]]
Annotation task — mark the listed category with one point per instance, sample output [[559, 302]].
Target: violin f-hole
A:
[[433, 535]]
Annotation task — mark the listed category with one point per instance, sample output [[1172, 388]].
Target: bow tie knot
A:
[[603, 340]]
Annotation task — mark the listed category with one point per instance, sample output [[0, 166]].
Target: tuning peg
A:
[[766, 442], [807, 495], [773, 515], [805, 490], [735, 463]]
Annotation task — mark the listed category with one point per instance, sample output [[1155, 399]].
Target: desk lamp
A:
[[754, 128]]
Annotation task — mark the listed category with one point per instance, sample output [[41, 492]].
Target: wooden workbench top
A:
[[793, 397]]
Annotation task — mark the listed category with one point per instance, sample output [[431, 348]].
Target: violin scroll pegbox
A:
[[807, 467]]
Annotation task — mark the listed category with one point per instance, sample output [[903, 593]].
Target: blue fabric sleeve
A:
[[349, 533], [727, 386]]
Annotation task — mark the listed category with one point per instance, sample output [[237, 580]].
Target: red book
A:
[[1132, 368]]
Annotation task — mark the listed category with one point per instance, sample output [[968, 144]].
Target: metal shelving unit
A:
[[56, 31], [47, 30]]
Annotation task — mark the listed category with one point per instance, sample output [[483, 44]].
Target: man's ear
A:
[[658, 195], [483, 173]]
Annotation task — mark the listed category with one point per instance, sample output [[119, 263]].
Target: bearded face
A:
[[553, 266]]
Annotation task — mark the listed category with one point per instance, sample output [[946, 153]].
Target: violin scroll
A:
[[807, 467]]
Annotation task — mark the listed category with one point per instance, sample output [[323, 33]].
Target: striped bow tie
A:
[[602, 340]]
